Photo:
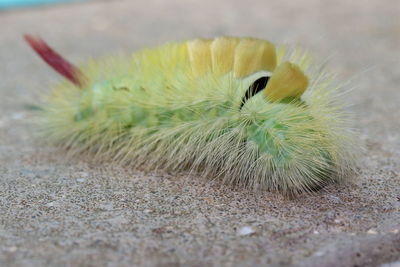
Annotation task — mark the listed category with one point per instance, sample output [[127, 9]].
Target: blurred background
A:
[[53, 212], [21, 3]]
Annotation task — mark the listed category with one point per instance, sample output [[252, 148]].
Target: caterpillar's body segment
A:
[[231, 108]]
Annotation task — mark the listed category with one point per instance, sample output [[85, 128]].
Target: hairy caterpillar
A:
[[234, 108]]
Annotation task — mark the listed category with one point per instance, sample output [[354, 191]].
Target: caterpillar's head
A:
[[278, 131]]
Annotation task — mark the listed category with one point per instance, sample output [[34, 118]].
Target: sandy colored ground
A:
[[76, 213]]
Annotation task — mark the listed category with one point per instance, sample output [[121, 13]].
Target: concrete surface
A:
[[59, 212]]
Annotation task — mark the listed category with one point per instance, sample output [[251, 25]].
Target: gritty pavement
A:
[[74, 212]]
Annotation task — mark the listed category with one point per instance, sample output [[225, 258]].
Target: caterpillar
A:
[[237, 109]]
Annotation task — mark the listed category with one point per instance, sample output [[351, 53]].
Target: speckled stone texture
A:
[[58, 212]]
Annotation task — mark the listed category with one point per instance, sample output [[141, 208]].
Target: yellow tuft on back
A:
[[223, 54], [286, 81], [200, 56], [242, 56], [253, 55]]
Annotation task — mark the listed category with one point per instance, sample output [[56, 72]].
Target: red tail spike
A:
[[55, 60]]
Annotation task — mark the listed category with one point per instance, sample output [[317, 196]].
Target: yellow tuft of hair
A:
[[252, 55], [223, 54], [287, 81], [200, 56]]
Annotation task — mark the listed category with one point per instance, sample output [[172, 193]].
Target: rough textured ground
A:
[[58, 212]]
